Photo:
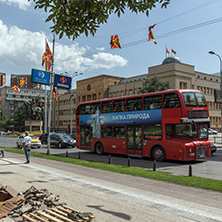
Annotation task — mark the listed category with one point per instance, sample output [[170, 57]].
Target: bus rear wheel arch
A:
[[99, 149], [158, 154]]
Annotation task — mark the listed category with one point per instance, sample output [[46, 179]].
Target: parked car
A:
[[44, 138], [212, 131], [61, 140], [35, 142], [213, 148]]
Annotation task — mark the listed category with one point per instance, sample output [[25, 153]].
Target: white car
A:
[[35, 142]]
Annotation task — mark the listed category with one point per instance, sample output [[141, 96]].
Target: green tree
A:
[[20, 117], [153, 85], [4, 119], [74, 17]]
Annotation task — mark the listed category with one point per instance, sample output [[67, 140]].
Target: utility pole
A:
[[50, 96]]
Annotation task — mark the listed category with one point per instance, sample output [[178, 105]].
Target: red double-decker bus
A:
[[170, 124]]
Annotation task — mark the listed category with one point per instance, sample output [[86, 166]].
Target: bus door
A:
[[134, 140], [85, 138]]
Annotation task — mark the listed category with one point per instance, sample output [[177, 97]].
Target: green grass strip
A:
[[198, 182]]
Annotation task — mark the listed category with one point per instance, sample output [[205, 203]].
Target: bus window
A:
[[106, 132], [106, 107], [171, 101], [201, 100], [119, 132], [189, 99], [119, 106], [169, 130], [152, 132], [134, 104], [94, 107], [85, 109], [183, 130], [152, 102]]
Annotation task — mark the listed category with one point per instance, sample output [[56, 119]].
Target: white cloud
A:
[[23, 50], [22, 4], [105, 60]]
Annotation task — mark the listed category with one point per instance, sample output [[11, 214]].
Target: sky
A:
[[192, 28]]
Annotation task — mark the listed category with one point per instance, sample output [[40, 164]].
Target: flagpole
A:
[[50, 95], [165, 51], [45, 121]]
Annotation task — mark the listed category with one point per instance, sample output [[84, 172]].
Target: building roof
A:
[[171, 59]]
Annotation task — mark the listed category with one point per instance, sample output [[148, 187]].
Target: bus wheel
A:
[[99, 148], [158, 154]]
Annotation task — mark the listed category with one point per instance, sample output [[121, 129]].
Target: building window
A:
[[122, 93], [183, 85]]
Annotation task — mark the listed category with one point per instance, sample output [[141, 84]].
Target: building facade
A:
[[11, 100], [2, 79]]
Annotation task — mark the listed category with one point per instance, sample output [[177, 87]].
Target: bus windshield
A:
[[201, 100], [189, 99]]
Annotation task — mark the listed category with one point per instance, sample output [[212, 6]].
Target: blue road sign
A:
[[41, 77], [62, 81]]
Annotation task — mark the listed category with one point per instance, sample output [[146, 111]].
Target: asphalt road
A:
[[210, 167], [112, 196]]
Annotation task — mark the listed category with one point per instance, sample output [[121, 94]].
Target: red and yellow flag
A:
[[0, 99], [16, 88], [22, 82], [150, 34], [115, 42], [167, 51], [54, 93], [47, 57]]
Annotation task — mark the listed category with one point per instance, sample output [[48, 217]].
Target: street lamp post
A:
[[71, 99], [213, 53]]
